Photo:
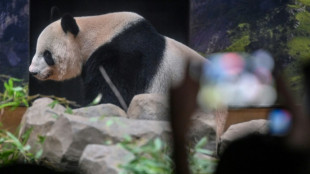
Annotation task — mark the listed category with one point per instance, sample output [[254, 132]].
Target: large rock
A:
[[240, 130], [98, 159], [70, 134], [149, 107], [102, 110], [155, 107], [67, 135], [40, 118]]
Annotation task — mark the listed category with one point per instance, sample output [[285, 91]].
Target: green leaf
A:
[[8, 104], [68, 110], [97, 99], [17, 89], [26, 136], [41, 139], [108, 142], [2, 140], [53, 104], [16, 142], [204, 151], [94, 119], [109, 122], [158, 144], [6, 153], [127, 138], [201, 143], [39, 154], [10, 83], [25, 102], [16, 79], [27, 147], [102, 117], [55, 116]]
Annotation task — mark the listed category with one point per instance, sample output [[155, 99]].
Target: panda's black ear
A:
[[68, 23]]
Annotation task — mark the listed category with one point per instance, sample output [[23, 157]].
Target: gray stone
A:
[[102, 110], [149, 107], [40, 118], [70, 134], [66, 135], [240, 130], [98, 159]]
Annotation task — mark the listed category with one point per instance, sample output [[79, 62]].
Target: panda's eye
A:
[[48, 58]]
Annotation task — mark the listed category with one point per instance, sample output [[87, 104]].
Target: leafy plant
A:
[[13, 150], [15, 93], [154, 157], [198, 164], [58, 100]]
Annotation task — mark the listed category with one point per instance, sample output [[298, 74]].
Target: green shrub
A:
[[15, 93], [14, 150], [154, 158]]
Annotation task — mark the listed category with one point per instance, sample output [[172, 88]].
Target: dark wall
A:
[[170, 18], [14, 39]]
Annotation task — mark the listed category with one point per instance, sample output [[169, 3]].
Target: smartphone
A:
[[237, 80]]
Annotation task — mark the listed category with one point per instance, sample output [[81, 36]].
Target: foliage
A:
[[154, 158], [15, 93], [59, 100], [198, 164], [305, 2], [304, 19], [13, 149], [67, 103], [300, 47], [239, 44]]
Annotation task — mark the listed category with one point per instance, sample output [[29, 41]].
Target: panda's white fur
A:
[[70, 52], [172, 69]]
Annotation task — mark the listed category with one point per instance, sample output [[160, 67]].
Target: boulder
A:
[[102, 110], [149, 107], [40, 118], [98, 159], [240, 130], [67, 135], [70, 134]]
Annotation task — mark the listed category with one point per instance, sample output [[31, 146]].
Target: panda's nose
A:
[[33, 73]]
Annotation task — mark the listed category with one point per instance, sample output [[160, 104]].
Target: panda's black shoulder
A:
[[132, 59]]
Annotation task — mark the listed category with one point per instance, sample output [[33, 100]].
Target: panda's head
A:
[[58, 56]]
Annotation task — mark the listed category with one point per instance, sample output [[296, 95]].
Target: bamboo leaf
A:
[[17, 89], [15, 141], [201, 143], [68, 110], [26, 136], [39, 154], [96, 100], [53, 104]]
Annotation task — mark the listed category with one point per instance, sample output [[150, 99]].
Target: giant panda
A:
[[135, 56]]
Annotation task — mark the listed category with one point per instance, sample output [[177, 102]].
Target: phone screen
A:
[[237, 80]]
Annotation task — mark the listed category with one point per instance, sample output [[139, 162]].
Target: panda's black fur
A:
[[131, 60]]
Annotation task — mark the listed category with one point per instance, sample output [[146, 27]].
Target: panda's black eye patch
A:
[[48, 58]]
